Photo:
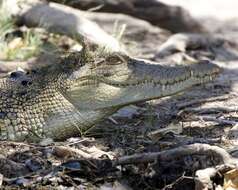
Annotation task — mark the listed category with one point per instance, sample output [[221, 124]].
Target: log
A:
[[174, 18], [60, 19]]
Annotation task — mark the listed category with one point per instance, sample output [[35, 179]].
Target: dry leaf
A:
[[231, 180]]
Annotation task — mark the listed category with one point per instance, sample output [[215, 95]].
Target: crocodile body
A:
[[60, 100]]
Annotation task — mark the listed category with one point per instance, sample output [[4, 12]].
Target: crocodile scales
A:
[[60, 100]]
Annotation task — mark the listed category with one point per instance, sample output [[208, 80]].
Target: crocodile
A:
[[64, 98]]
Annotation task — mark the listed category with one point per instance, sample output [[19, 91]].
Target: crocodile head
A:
[[118, 80], [59, 99]]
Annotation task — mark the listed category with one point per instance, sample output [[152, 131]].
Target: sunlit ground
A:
[[221, 9]]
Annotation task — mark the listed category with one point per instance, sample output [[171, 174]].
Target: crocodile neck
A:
[[47, 114]]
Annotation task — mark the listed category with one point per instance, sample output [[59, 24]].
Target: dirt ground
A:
[[205, 114]]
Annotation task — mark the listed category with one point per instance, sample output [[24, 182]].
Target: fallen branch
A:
[[172, 154], [174, 18], [60, 19]]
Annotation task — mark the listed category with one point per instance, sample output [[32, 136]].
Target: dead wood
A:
[[168, 155], [173, 18], [60, 19]]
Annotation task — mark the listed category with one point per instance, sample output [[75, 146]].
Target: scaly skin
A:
[[61, 100]]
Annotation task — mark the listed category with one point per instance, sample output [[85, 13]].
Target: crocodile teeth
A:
[[191, 72]]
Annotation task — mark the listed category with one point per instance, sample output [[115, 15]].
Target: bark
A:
[[173, 18]]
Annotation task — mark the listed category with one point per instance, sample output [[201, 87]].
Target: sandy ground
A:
[[220, 9]]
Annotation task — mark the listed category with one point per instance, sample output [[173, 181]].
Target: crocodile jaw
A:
[[139, 82]]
